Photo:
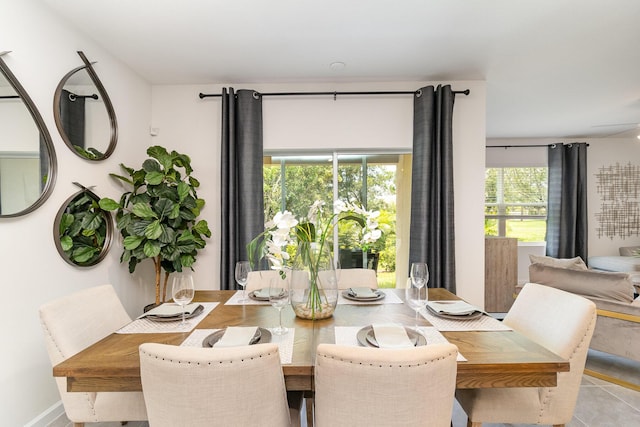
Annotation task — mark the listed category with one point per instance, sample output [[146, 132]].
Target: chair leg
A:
[[310, 407], [473, 424], [78, 424]]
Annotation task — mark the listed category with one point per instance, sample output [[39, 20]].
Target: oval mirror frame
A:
[[113, 123], [51, 160], [74, 246]]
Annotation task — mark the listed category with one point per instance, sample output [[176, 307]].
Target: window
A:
[[294, 182], [516, 203]]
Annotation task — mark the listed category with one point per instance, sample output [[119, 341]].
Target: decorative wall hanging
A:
[[619, 190]]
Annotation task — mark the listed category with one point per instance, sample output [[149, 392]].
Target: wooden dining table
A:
[[493, 358]]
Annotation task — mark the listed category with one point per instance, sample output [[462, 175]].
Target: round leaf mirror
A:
[[84, 114], [27, 157], [82, 231]]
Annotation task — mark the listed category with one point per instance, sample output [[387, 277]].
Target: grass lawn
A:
[[386, 279]]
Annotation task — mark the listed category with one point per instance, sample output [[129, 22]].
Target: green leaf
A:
[[170, 253], [132, 242], [152, 248], [157, 151], [66, 242], [154, 178], [168, 235], [138, 227], [122, 178], [187, 215], [306, 232], [123, 221], [126, 256], [175, 212], [183, 190], [194, 182], [202, 227], [184, 161], [185, 236], [92, 220], [151, 165], [83, 254], [133, 262], [88, 232], [361, 221], [189, 202], [65, 222], [108, 204], [143, 210], [163, 207], [187, 260], [153, 230]]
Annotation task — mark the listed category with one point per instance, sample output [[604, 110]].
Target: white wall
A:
[[43, 51], [370, 123]]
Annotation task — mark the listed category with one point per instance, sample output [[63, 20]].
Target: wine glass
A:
[[242, 275], [182, 291], [419, 274], [278, 297], [416, 298]]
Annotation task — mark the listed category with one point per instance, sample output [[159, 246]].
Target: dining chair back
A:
[[361, 386], [232, 386], [559, 321], [71, 324], [259, 279], [357, 277]]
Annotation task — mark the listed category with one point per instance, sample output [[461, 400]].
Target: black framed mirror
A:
[[82, 231], [28, 164], [84, 114]]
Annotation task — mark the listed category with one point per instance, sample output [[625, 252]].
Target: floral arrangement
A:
[[285, 235], [284, 231]]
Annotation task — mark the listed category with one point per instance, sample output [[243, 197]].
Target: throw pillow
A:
[[590, 283], [629, 250], [574, 263]]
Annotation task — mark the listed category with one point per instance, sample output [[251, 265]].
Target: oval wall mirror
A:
[[84, 114], [82, 231], [27, 156]]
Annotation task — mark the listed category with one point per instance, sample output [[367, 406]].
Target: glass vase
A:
[[313, 286]]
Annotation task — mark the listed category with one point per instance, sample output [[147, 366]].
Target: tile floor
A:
[[600, 404]]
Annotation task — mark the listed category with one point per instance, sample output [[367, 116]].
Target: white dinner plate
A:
[[367, 338]]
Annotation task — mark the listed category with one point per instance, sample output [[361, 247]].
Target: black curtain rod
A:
[[334, 94], [525, 146], [9, 96], [73, 96]]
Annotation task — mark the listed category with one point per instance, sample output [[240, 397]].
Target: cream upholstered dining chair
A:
[[360, 386], [232, 386], [259, 279], [357, 277], [563, 323], [71, 324]]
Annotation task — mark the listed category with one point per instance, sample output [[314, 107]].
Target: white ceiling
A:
[[553, 68]]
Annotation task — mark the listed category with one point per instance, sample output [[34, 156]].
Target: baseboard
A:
[[48, 416], [612, 379]]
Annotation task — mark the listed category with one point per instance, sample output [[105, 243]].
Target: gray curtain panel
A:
[[72, 115], [242, 206], [432, 222], [567, 201]]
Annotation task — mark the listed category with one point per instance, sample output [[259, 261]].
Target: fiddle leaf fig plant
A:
[[158, 217], [83, 229]]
